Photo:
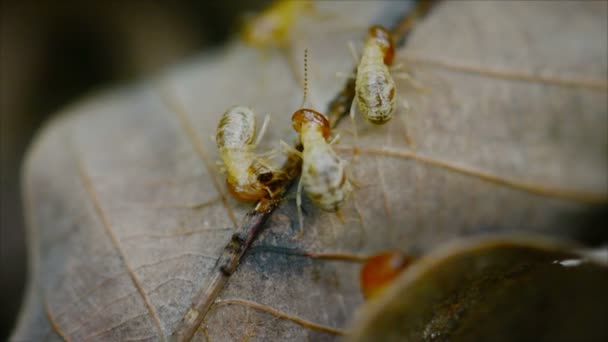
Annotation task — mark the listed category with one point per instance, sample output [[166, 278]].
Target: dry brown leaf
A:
[[128, 215]]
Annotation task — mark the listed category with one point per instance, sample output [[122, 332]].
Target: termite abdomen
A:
[[236, 128]]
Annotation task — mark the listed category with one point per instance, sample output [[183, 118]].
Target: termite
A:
[[247, 172], [323, 178], [375, 92], [272, 27], [381, 270]]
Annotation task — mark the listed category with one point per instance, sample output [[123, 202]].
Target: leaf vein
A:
[[541, 190], [84, 175], [112, 328], [280, 315], [175, 234], [53, 322], [101, 284], [182, 115], [516, 75]]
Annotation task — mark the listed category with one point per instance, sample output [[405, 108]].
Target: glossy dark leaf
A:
[[502, 289]]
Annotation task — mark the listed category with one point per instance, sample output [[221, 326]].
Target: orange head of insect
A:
[[383, 38], [380, 270], [310, 117]]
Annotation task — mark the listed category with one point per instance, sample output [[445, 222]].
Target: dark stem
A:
[[253, 222]]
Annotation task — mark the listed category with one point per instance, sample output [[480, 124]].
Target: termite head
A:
[[380, 270], [310, 117], [380, 36]]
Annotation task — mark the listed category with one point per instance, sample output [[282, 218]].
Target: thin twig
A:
[[253, 221], [404, 28]]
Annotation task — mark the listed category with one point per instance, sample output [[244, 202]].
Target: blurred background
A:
[[53, 52]]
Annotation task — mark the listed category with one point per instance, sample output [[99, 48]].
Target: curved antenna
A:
[[304, 98]]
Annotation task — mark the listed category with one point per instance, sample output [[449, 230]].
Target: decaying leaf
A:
[[128, 214], [508, 288]]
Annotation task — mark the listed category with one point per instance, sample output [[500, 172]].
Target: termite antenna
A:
[[305, 78]]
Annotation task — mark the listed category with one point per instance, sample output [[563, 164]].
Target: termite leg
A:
[[354, 182], [353, 51], [264, 164], [335, 139], [269, 192], [353, 109], [263, 129], [402, 117], [341, 74], [273, 153], [405, 104], [299, 208], [221, 167], [411, 80], [340, 216], [285, 146], [397, 67], [351, 178], [268, 155]]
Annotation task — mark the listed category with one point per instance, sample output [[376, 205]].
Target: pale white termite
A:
[[375, 93], [374, 87], [324, 176], [247, 172]]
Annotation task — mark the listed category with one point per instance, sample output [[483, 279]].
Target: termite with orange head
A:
[[324, 178], [374, 87], [273, 26], [381, 270], [375, 92], [248, 173]]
